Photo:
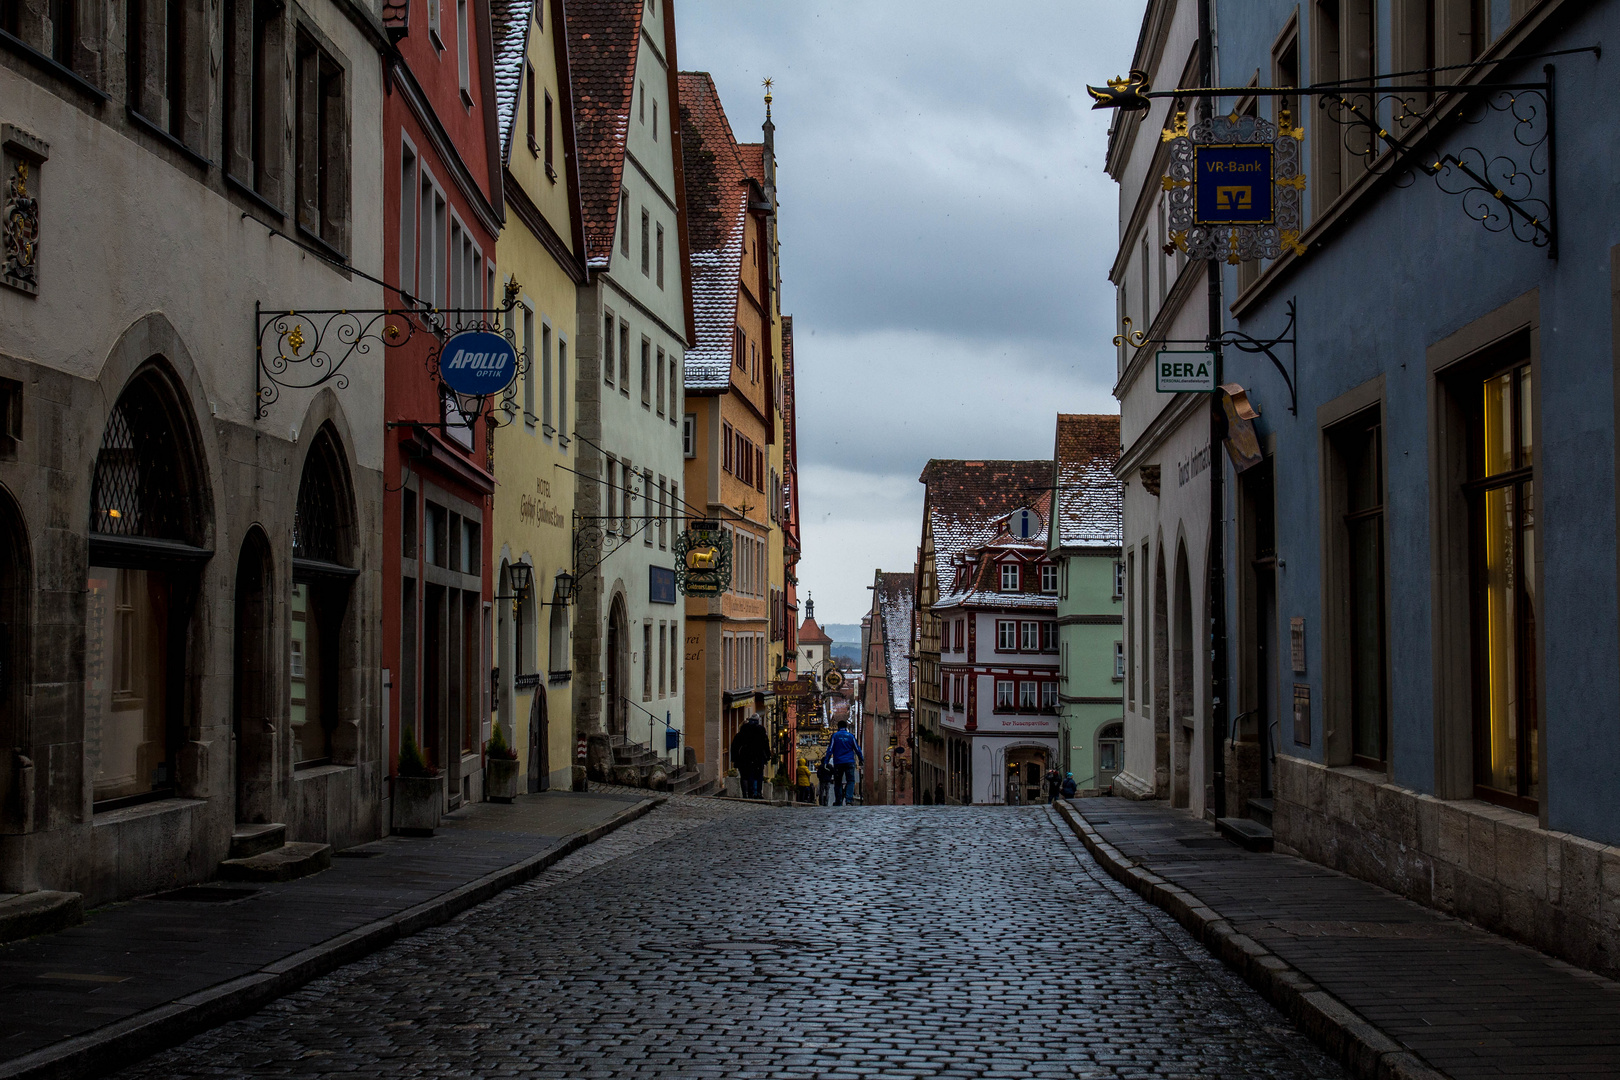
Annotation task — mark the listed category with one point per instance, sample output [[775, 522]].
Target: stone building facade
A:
[[190, 584]]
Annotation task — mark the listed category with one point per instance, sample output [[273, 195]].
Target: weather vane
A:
[[767, 83]]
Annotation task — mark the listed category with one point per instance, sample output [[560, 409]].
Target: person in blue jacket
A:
[[842, 753]]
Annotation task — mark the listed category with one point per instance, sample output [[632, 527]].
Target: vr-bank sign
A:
[[478, 363], [1184, 373]]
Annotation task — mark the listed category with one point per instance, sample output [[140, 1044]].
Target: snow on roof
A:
[[967, 503], [1091, 500], [894, 607], [509, 22], [716, 216]]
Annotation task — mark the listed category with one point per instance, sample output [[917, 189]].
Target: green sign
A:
[[1184, 372]]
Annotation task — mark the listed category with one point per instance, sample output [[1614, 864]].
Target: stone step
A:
[[284, 863], [1246, 833], [1261, 810], [44, 912], [250, 840]]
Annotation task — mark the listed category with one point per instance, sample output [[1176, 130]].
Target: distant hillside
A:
[[843, 632]]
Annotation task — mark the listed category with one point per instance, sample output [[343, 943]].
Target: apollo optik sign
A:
[[478, 363], [1184, 372]]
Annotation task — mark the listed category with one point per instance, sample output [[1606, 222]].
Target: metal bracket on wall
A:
[[1236, 339]]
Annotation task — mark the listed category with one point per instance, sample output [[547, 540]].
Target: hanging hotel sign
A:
[[703, 559], [1234, 187], [1180, 372], [478, 363]]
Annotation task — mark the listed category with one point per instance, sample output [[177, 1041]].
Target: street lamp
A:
[[521, 575], [565, 587]]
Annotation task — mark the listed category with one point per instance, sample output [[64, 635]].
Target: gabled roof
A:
[[811, 633], [752, 156], [603, 43], [893, 592], [716, 217], [1091, 500], [965, 502]]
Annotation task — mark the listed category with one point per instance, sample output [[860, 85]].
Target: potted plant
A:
[[418, 790], [501, 768]]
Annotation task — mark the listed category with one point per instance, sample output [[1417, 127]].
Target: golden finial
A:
[[767, 83], [296, 338]]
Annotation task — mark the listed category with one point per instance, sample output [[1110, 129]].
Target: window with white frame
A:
[[1006, 635], [1009, 577], [1049, 696], [1119, 579], [1049, 636], [689, 435], [1119, 660], [607, 346], [1029, 694], [1049, 577], [1004, 694], [1029, 636]]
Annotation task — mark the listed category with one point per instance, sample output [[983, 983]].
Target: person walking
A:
[[750, 750], [842, 753], [803, 782], [1069, 786], [1054, 785], [824, 779]]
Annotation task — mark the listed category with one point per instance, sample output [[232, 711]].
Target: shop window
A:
[[1503, 519]]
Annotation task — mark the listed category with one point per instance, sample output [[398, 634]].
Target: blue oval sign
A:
[[478, 362]]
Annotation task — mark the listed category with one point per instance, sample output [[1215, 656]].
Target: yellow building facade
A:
[[539, 257]]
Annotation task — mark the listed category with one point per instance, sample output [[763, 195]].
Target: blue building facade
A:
[[1421, 579]]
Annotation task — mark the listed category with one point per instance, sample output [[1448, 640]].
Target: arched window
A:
[[148, 514], [322, 551], [560, 662]]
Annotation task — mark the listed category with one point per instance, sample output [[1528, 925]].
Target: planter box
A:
[[500, 779], [418, 801], [733, 787]]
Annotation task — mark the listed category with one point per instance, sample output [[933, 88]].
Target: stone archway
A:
[[253, 716], [618, 666], [323, 719]]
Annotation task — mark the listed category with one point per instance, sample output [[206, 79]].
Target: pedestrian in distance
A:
[[750, 750], [824, 779], [842, 753], [803, 782], [1069, 786], [1054, 785]]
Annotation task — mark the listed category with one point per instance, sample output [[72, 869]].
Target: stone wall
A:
[[1495, 867]]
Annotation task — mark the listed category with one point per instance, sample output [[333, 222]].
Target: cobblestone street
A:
[[710, 939]]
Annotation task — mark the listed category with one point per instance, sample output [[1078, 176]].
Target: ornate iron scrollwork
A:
[[703, 559], [1507, 188], [302, 350], [1235, 243]]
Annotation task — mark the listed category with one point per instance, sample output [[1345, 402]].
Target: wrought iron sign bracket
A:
[[1509, 189], [310, 348], [1242, 342]]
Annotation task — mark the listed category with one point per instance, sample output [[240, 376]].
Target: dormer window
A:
[[1009, 577], [1049, 578]]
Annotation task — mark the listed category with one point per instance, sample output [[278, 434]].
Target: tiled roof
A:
[[894, 605], [967, 500], [716, 209], [1090, 499], [603, 38], [509, 24], [990, 598], [752, 155], [812, 633]]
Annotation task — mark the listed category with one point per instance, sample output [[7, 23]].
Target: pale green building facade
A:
[[1085, 536]]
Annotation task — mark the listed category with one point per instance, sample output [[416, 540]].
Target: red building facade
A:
[[443, 211]]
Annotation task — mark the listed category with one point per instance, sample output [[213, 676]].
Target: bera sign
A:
[[478, 363], [1184, 373]]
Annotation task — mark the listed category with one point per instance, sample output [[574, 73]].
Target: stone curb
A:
[[1365, 1050], [126, 1041]]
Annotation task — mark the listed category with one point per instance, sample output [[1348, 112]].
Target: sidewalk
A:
[[146, 974], [1393, 988]]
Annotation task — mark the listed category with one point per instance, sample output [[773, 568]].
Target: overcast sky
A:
[[946, 230]]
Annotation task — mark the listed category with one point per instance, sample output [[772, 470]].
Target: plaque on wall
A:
[[1302, 714], [1296, 643]]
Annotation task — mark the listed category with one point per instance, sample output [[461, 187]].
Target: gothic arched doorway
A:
[[618, 643], [323, 730], [253, 718], [140, 595], [539, 742]]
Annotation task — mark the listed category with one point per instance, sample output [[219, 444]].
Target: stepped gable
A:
[[716, 209], [1091, 499], [603, 40], [895, 609]]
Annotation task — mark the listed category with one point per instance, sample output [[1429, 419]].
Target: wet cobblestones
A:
[[718, 939]]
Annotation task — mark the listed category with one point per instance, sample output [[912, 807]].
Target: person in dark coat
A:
[[824, 779], [750, 750], [1069, 786], [1054, 785]]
